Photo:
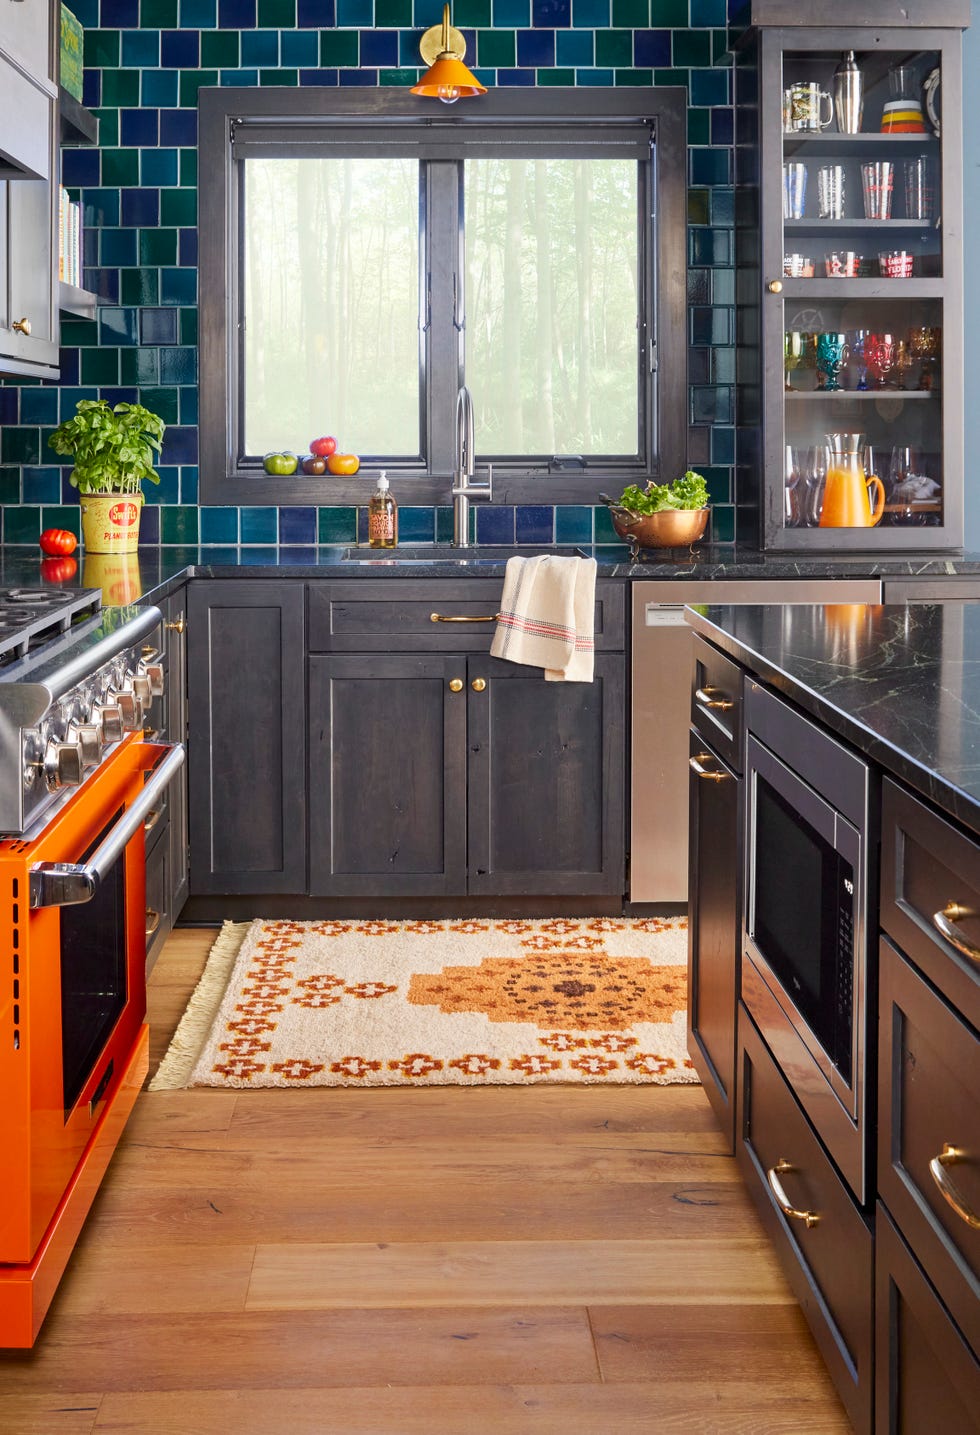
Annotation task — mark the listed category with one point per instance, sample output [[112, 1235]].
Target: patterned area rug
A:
[[432, 1003]]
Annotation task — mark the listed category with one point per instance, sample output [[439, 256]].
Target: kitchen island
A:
[[853, 1045]]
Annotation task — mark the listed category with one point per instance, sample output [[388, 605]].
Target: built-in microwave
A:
[[805, 970]]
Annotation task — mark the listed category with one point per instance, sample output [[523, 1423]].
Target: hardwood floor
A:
[[436, 1262]]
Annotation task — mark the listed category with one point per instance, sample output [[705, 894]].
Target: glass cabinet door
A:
[[862, 277]]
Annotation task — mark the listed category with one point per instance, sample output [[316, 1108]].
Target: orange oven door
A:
[[72, 981]]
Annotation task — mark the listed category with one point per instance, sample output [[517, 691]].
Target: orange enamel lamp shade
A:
[[447, 78]]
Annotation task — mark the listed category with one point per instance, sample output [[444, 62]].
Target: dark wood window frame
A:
[[225, 113]]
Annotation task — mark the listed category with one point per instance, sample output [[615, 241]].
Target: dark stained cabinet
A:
[[165, 828], [247, 750]]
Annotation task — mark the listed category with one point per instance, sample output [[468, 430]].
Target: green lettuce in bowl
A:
[[689, 491]]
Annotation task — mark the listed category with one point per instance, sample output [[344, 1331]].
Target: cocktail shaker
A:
[[848, 95]]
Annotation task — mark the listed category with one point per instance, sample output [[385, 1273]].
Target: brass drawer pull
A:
[[478, 684], [949, 1156], [22, 326], [809, 1218], [446, 618], [705, 698], [945, 923], [696, 762], [152, 921], [455, 685], [177, 626]]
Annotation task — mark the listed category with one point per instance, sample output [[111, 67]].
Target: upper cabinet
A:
[[850, 255], [28, 87]]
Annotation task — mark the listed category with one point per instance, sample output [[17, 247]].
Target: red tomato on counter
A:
[[58, 541]]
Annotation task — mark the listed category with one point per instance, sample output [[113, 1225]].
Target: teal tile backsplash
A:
[[144, 63]]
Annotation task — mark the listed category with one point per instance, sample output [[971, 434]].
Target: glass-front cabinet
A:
[[849, 210]]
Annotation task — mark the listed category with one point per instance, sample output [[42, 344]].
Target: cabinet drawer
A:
[[925, 1376], [829, 1263], [716, 702], [930, 873], [929, 1072], [376, 616], [159, 918]]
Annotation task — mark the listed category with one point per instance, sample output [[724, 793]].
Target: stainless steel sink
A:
[[447, 553]]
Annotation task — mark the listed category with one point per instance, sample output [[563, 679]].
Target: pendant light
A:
[[447, 79]]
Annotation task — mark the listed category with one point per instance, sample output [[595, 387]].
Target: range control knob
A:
[[89, 738], [63, 766], [110, 720], [131, 709], [143, 689], [154, 672]]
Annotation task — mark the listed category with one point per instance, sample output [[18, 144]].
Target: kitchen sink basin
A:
[[447, 553]]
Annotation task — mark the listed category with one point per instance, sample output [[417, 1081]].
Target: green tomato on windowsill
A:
[[280, 464]]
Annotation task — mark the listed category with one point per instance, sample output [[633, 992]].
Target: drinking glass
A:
[[794, 189], [831, 353], [924, 346], [857, 363], [794, 352], [816, 477], [879, 355], [793, 490], [830, 191], [919, 189], [877, 180]]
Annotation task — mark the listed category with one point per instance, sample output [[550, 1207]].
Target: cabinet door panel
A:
[[387, 778], [545, 780], [714, 928], [247, 749]]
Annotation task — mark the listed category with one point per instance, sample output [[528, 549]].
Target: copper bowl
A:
[[671, 528]]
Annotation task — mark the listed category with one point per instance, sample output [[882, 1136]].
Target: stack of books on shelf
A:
[[69, 239]]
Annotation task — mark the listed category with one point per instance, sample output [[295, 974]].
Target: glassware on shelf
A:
[[794, 485], [830, 191], [848, 487], [794, 189], [797, 266], [896, 264], [796, 345], [924, 347], [902, 114], [912, 494], [879, 355], [904, 363], [878, 182], [848, 94], [856, 360], [920, 194], [816, 475], [831, 353], [843, 264], [806, 103]]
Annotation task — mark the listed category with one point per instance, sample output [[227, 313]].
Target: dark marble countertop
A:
[[158, 569], [899, 682]]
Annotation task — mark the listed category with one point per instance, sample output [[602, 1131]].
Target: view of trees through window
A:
[[552, 305], [331, 282]]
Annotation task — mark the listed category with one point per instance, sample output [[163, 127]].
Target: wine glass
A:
[[924, 346], [816, 477], [879, 355], [856, 362], [793, 494], [794, 352]]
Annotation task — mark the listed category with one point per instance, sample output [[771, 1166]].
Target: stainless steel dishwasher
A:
[[661, 711]]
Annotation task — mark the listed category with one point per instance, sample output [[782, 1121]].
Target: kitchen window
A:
[[364, 253]]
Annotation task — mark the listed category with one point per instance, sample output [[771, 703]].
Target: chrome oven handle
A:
[[63, 884]]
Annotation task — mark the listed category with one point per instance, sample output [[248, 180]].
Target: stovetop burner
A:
[[30, 617]]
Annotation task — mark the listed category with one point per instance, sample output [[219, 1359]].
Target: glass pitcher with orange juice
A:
[[847, 501]]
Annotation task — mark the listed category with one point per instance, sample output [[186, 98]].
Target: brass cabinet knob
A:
[[478, 684], [23, 326], [775, 286], [455, 685], [177, 626]]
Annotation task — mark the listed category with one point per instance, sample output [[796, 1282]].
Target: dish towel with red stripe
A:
[[547, 616]]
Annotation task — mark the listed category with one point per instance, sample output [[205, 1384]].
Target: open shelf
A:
[[78, 125], [808, 395], [855, 146], [76, 303]]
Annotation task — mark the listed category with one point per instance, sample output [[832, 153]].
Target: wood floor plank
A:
[[68, 1414], [106, 1277], [298, 1348], [541, 1409], [488, 1273]]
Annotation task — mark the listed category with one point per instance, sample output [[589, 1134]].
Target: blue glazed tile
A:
[[168, 489], [602, 526], [219, 525], [178, 127], [709, 87], [366, 78], [68, 494], [40, 485], [260, 47], [180, 49], [494, 525], [710, 246], [8, 403], [198, 14], [189, 483], [318, 77], [355, 14], [141, 208], [117, 247], [723, 363], [259, 525], [86, 12], [300, 48], [178, 365], [178, 286], [722, 127], [189, 405], [722, 205], [297, 525], [515, 77], [574, 47], [535, 47], [573, 523], [159, 167], [509, 14], [92, 89], [722, 444], [179, 525], [336, 525], [140, 49], [79, 167], [139, 127], [710, 166], [723, 286], [594, 77], [158, 326], [119, 14], [444, 524], [119, 396], [362, 525], [416, 525], [651, 47], [117, 326], [179, 445], [104, 282], [380, 47], [709, 12], [236, 14], [315, 14], [590, 14], [159, 88], [187, 247], [550, 14], [534, 523], [150, 522], [711, 326], [90, 248], [249, 78], [712, 405]]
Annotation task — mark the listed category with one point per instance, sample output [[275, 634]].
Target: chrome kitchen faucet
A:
[[464, 488]]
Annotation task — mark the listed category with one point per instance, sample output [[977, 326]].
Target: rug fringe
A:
[[195, 1025]]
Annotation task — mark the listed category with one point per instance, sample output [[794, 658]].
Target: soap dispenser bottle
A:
[[382, 516]]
